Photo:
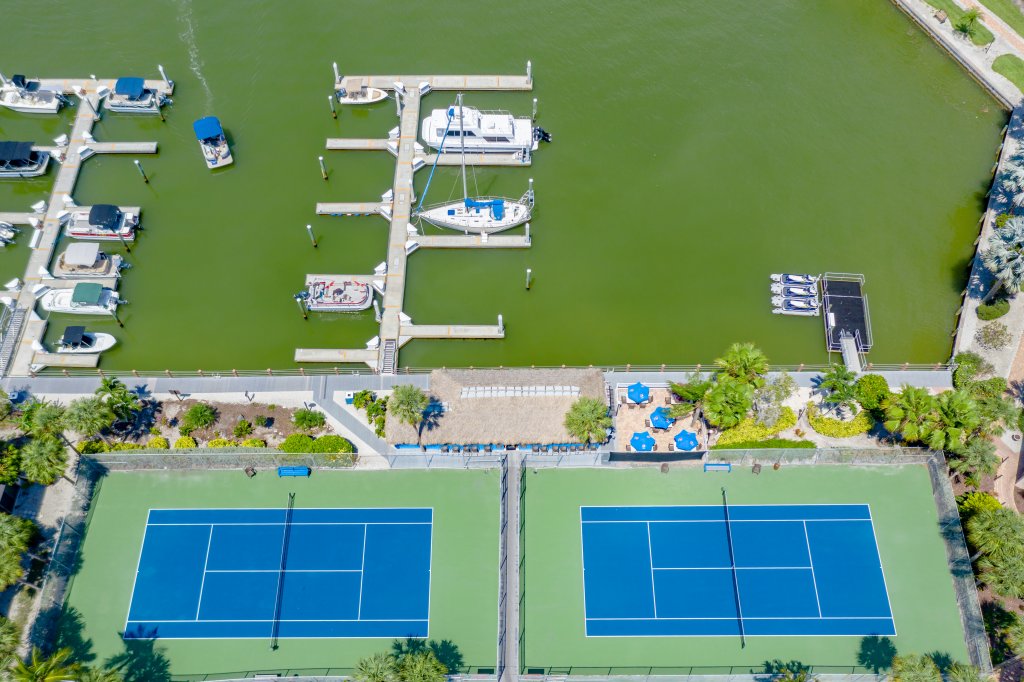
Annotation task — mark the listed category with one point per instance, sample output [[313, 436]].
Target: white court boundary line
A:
[[202, 583], [814, 578]]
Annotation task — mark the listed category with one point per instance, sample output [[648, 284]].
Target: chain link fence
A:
[[869, 456], [217, 458], [412, 459]]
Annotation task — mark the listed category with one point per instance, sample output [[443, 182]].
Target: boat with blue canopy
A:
[[212, 141], [131, 96], [19, 160]]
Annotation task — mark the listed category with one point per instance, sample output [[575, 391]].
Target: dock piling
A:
[[529, 70], [330, 102], [302, 309], [163, 74], [534, 108], [527, 233], [337, 74], [323, 168], [142, 171], [312, 237], [529, 273]]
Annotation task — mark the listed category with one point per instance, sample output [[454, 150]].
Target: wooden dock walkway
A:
[[451, 331], [355, 144], [21, 218], [337, 355], [81, 145], [472, 241], [455, 159], [493, 82], [349, 208], [67, 360]]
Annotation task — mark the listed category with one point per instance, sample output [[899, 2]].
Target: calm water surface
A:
[[698, 148]]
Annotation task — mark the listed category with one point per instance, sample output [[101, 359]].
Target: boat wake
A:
[[188, 36]]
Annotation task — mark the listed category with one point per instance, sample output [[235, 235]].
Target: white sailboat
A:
[[479, 215]]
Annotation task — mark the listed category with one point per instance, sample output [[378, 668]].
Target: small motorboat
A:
[[18, 160], [213, 142], [103, 222], [85, 260], [479, 131], [29, 97], [795, 306], [355, 91], [131, 96], [794, 291], [805, 303], [87, 298], [800, 280], [77, 340]]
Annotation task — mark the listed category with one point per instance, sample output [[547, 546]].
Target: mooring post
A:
[[142, 171], [529, 70], [527, 233], [330, 101], [528, 273], [337, 75], [312, 238], [163, 74], [302, 308], [534, 108], [323, 168], [501, 324]]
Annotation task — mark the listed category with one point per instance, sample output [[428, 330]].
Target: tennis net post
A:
[[732, 562], [279, 596]]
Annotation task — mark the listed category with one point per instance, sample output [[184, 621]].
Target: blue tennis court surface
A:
[[790, 570], [246, 573]]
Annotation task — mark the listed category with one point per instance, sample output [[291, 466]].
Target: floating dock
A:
[[26, 329], [396, 328], [846, 316]]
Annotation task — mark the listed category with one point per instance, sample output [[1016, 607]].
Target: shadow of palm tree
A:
[[876, 653], [71, 635], [446, 651], [141, 661]]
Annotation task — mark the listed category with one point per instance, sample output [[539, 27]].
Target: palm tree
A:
[[978, 457], [1004, 256], [1004, 573], [907, 412], [39, 668], [407, 404], [44, 460], [120, 400], [744, 361], [88, 416], [728, 402], [913, 668], [1013, 177], [968, 20], [692, 395], [994, 531], [956, 418], [378, 667], [841, 384], [961, 672], [101, 675], [422, 666], [997, 412], [587, 420], [10, 637]]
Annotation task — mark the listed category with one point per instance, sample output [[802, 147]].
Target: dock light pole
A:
[[337, 74], [323, 168], [117, 319], [330, 101], [312, 238], [299, 298], [529, 274], [534, 108], [142, 172]]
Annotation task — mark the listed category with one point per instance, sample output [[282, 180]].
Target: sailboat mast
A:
[[462, 139]]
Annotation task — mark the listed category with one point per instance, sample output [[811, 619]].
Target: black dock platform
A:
[[845, 310]]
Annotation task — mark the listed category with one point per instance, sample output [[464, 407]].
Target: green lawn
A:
[[1010, 67], [464, 573], [912, 551], [1008, 12], [979, 34]]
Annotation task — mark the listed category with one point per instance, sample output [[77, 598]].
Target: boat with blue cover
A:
[[131, 96], [19, 160], [212, 141]]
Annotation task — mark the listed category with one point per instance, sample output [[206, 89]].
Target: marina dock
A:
[[396, 328], [26, 329], [21, 218], [846, 317]]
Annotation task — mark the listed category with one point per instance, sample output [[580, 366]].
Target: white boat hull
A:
[[27, 104], [97, 343], [481, 132], [150, 105], [338, 296], [59, 301], [364, 96], [216, 156], [457, 216], [31, 172]]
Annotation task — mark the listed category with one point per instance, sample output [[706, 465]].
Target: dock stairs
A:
[[9, 340], [850, 347], [390, 356]]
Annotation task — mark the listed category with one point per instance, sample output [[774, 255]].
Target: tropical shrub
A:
[[765, 444], [728, 402], [378, 408], [837, 428], [308, 420], [915, 668], [770, 397], [185, 442], [993, 336], [296, 443], [363, 398], [10, 464], [92, 447], [158, 443], [974, 502], [378, 425], [119, 447], [995, 310], [744, 362], [997, 535], [260, 420], [199, 416], [221, 443], [254, 443], [749, 430], [970, 367], [242, 429], [587, 420], [331, 443], [17, 534], [1002, 218], [871, 391]]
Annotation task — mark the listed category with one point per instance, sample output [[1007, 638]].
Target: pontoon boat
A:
[[103, 222], [327, 294], [131, 96], [85, 259], [212, 141], [18, 160], [87, 298]]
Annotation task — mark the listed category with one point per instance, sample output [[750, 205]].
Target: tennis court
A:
[[733, 570], [283, 573]]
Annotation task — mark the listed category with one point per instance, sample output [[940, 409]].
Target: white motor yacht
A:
[[87, 298], [481, 131]]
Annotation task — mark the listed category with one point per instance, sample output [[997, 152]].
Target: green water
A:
[[698, 148]]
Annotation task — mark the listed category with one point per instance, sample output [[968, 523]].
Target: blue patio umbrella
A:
[[642, 441], [660, 418], [638, 393], [686, 440]]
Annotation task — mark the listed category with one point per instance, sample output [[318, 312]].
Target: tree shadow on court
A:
[[141, 661], [446, 651], [779, 667], [876, 653], [952, 534], [942, 660], [71, 635]]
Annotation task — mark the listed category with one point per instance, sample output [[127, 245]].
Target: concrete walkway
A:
[[1006, 476]]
